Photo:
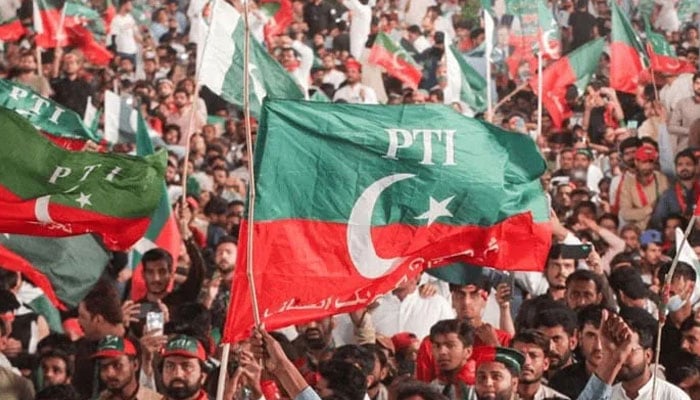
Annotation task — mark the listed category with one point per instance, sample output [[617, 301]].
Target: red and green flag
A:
[[48, 18], [162, 231], [49, 191], [12, 30], [627, 57], [576, 68], [549, 33], [280, 15], [62, 126], [395, 60], [109, 13], [663, 57], [352, 199]]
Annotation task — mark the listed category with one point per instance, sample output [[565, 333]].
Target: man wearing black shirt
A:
[[581, 24], [72, 91]]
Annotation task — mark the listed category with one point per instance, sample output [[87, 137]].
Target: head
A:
[[71, 64], [683, 282], [317, 334], [157, 270], [535, 347], [415, 390], [686, 163], [690, 329], [497, 372], [117, 361], [226, 252], [628, 149], [583, 288], [696, 84], [644, 160], [363, 357], [582, 159], [686, 373], [181, 98], [644, 327], [630, 234], [183, 368], [57, 367], [589, 320], [100, 311], [469, 301], [341, 379], [353, 71], [559, 325], [566, 159], [558, 268], [27, 62], [452, 342]]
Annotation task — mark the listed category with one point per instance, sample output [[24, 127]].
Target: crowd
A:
[[623, 177]]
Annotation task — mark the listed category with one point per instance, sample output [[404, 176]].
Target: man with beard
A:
[[183, 369], [497, 372], [628, 148], [117, 361], [583, 165], [682, 196], [353, 90], [684, 113], [679, 306], [635, 378], [452, 342], [559, 325], [583, 288], [534, 346], [639, 195], [217, 296], [182, 116], [571, 380], [314, 345]]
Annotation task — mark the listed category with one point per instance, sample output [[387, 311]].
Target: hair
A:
[[67, 359], [685, 365], [641, 322], [414, 388], [557, 316], [103, 300], [631, 227], [8, 279], [531, 336], [582, 275], [611, 217], [58, 392], [629, 143], [216, 206], [357, 355], [624, 257], [463, 329], [157, 254], [679, 217], [344, 378], [8, 301], [591, 315], [56, 341], [687, 153], [191, 319], [690, 323], [683, 270], [227, 239]]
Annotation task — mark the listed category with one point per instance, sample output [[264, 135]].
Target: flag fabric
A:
[[464, 84], [35, 299], [95, 53], [627, 56], [162, 232], [375, 194], [121, 121], [63, 126], [281, 16], [222, 63], [65, 269], [576, 68], [549, 32], [109, 13], [12, 30], [395, 60], [663, 57], [48, 17], [49, 191]]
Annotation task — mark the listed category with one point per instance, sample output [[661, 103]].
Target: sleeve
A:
[[307, 394], [425, 366], [675, 122], [666, 151], [595, 390], [306, 58], [628, 211], [189, 291]]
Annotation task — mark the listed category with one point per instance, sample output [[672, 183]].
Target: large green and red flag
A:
[[549, 31], [464, 84], [352, 199], [65, 269], [663, 57], [162, 231], [49, 23], [576, 68], [49, 191], [627, 56], [61, 125], [280, 15], [12, 30], [395, 60]]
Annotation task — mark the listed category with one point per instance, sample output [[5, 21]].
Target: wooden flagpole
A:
[[539, 91]]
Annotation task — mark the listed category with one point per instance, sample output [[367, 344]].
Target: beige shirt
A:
[[143, 393], [633, 208]]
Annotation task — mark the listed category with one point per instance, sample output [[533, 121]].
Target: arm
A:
[[675, 123], [503, 295], [306, 57], [628, 210], [277, 364], [189, 290], [665, 147], [363, 329]]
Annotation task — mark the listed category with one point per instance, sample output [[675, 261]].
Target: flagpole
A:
[[38, 60], [662, 310], [488, 30], [539, 92], [60, 36]]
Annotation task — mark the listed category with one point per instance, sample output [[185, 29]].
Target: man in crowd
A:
[[118, 363]]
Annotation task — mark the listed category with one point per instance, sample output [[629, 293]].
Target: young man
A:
[[583, 288], [559, 325], [57, 367], [452, 342], [534, 346], [497, 373], [183, 369], [118, 365], [681, 197]]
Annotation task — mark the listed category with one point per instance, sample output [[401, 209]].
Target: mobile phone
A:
[[576, 251], [155, 322], [147, 307]]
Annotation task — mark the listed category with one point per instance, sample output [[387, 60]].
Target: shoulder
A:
[[671, 391]]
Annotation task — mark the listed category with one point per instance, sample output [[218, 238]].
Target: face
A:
[[70, 64], [494, 382], [670, 229], [558, 270], [469, 302], [652, 254], [449, 352], [165, 89], [685, 168], [88, 322], [589, 340], [561, 345], [27, 63], [691, 341], [181, 99], [353, 75], [55, 371], [182, 377], [581, 161], [117, 372], [637, 362], [696, 87], [631, 239], [582, 293], [317, 333], [157, 276], [226, 256], [566, 160], [536, 362]]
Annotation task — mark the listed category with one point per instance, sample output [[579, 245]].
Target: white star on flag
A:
[[84, 200], [436, 210]]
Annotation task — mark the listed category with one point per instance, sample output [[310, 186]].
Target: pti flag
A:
[[11, 30], [627, 56], [395, 60], [663, 57], [352, 199], [49, 191], [464, 84]]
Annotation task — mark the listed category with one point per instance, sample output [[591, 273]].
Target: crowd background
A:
[[623, 176]]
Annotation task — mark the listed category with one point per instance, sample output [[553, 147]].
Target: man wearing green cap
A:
[[497, 373], [117, 361], [183, 369], [583, 164]]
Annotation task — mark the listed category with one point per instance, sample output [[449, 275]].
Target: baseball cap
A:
[[511, 358], [114, 346], [353, 64], [650, 236], [646, 153], [185, 346]]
